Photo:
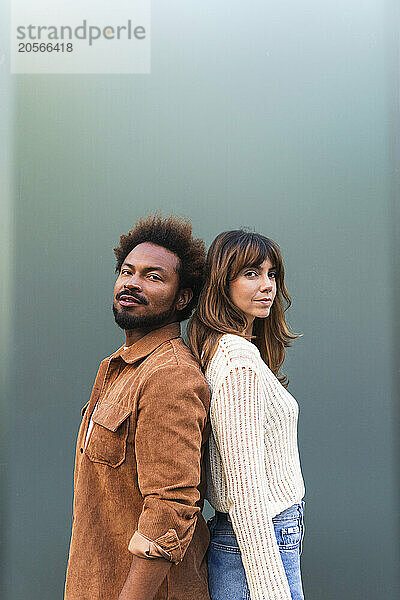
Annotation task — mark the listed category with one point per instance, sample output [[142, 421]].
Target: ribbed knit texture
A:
[[253, 469]]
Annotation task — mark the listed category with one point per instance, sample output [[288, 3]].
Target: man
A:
[[138, 532]]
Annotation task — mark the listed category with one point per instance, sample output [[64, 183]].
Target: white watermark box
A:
[[80, 36]]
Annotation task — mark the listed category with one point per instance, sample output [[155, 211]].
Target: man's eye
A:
[[154, 277], [125, 271]]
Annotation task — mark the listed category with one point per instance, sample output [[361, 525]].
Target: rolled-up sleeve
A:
[[171, 420]]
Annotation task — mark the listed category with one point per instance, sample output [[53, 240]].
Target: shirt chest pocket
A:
[[107, 441]]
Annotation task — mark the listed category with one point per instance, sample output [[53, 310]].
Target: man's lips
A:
[[128, 300]]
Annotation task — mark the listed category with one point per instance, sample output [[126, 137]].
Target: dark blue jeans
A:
[[226, 575]]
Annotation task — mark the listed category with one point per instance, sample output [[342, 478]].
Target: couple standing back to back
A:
[[142, 460]]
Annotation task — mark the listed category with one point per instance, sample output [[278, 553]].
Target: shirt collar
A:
[[148, 343]]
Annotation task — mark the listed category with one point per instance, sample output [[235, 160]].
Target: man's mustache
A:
[[134, 295]]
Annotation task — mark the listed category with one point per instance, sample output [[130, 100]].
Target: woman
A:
[[239, 334]]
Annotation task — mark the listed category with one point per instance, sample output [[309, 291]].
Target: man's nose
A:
[[133, 283]]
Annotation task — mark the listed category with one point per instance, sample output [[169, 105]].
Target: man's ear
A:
[[184, 297]]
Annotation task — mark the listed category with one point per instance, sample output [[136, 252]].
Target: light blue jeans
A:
[[226, 575]]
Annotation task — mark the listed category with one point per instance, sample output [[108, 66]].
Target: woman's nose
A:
[[266, 283]]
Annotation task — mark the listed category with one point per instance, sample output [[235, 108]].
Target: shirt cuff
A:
[[166, 546]]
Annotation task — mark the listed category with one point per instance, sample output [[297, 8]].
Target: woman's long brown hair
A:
[[230, 252]]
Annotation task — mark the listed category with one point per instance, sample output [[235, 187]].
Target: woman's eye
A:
[[272, 275], [250, 273]]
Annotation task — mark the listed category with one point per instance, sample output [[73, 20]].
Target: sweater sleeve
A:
[[237, 419]]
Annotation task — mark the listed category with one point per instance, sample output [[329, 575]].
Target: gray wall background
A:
[[278, 116]]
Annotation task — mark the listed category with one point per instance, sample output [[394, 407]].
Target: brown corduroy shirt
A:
[[139, 480]]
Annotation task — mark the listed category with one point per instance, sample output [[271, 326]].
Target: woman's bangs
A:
[[275, 257], [251, 251]]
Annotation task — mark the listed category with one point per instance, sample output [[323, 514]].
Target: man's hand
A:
[[144, 578]]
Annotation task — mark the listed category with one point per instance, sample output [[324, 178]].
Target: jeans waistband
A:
[[295, 508], [223, 516]]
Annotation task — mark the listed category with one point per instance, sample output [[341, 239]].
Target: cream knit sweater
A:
[[253, 468]]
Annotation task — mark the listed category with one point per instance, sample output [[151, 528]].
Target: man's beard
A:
[[127, 321]]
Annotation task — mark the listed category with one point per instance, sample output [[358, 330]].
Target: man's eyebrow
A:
[[155, 268], [147, 269]]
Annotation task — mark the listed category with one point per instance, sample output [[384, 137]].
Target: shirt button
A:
[[81, 450]]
